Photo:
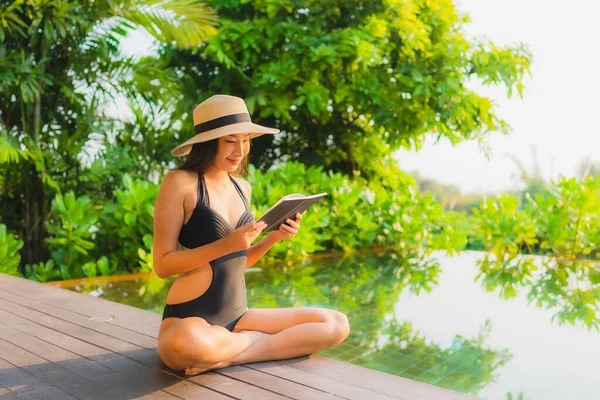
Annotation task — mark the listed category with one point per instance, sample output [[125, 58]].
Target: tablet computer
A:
[[287, 207]]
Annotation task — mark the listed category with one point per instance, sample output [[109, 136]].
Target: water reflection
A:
[[366, 287], [568, 286]]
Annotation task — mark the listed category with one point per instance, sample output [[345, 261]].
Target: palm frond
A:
[[185, 22], [53, 20], [106, 36], [30, 75], [10, 21], [10, 151]]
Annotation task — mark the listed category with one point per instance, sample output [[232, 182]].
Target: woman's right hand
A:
[[242, 237]]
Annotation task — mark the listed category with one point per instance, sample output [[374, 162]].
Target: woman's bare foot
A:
[[198, 370], [194, 371]]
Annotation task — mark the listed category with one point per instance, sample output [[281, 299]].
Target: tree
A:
[[350, 81], [59, 64]]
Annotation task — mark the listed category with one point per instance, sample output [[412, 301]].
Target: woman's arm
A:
[[168, 219], [256, 251], [179, 261]]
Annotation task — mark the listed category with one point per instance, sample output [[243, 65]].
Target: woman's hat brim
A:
[[242, 127]]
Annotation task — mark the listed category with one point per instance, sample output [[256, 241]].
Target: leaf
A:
[[186, 22]]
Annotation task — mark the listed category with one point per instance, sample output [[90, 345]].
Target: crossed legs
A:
[[193, 345]]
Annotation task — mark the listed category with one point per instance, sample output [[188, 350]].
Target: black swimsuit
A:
[[224, 302]]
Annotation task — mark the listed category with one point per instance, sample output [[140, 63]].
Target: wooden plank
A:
[[20, 384], [51, 329], [328, 386], [83, 335], [188, 390], [342, 389], [376, 381], [331, 377], [76, 373], [234, 388], [6, 394], [244, 374], [247, 375], [128, 317], [66, 380], [135, 319], [276, 384], [121, 370], [123, 334]]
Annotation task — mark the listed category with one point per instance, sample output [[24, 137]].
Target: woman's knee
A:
[[188, 345], [339, 327]]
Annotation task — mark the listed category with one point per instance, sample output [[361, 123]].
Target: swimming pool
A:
[[422, 321]]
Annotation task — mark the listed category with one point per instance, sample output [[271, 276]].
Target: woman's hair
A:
[[202, 156]]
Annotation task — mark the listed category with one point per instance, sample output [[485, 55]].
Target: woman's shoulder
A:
[[178, 178]]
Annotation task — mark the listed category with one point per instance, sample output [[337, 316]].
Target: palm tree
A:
[[60, 63]]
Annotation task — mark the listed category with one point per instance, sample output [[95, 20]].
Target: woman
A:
[[203, 231]]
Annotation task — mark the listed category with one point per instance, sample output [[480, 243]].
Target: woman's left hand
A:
[[287, 230]]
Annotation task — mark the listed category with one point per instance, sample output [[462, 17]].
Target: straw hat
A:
[[220, 115]]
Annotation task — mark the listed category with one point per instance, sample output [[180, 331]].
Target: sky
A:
[[559, 105]]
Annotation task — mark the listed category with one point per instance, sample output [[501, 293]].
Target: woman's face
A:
[[231, 150]]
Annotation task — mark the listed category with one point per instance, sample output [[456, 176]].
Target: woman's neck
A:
[[219, 177]]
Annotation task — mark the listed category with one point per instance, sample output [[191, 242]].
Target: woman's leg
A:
[[260, 335], [290, 332], [193, 342]]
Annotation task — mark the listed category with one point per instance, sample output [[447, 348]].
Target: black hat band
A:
[[221, 121]]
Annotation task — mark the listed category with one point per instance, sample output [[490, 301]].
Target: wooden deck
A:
[[58, 344]]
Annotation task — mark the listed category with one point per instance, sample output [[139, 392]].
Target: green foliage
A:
[[153, 292], [568, 220], [357, 79], [356, 214], [128, 219], [520, 396], [411, 221], [43, 272], [563, 223], [90, 269], [183, 22], [9, 150], [505, 230], [146, 258], [349, 82], [71, 225], [60, 66], [291, 178], [102, 267], [10, 245]]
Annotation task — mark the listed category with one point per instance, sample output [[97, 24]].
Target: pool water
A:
[[426, 320]]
